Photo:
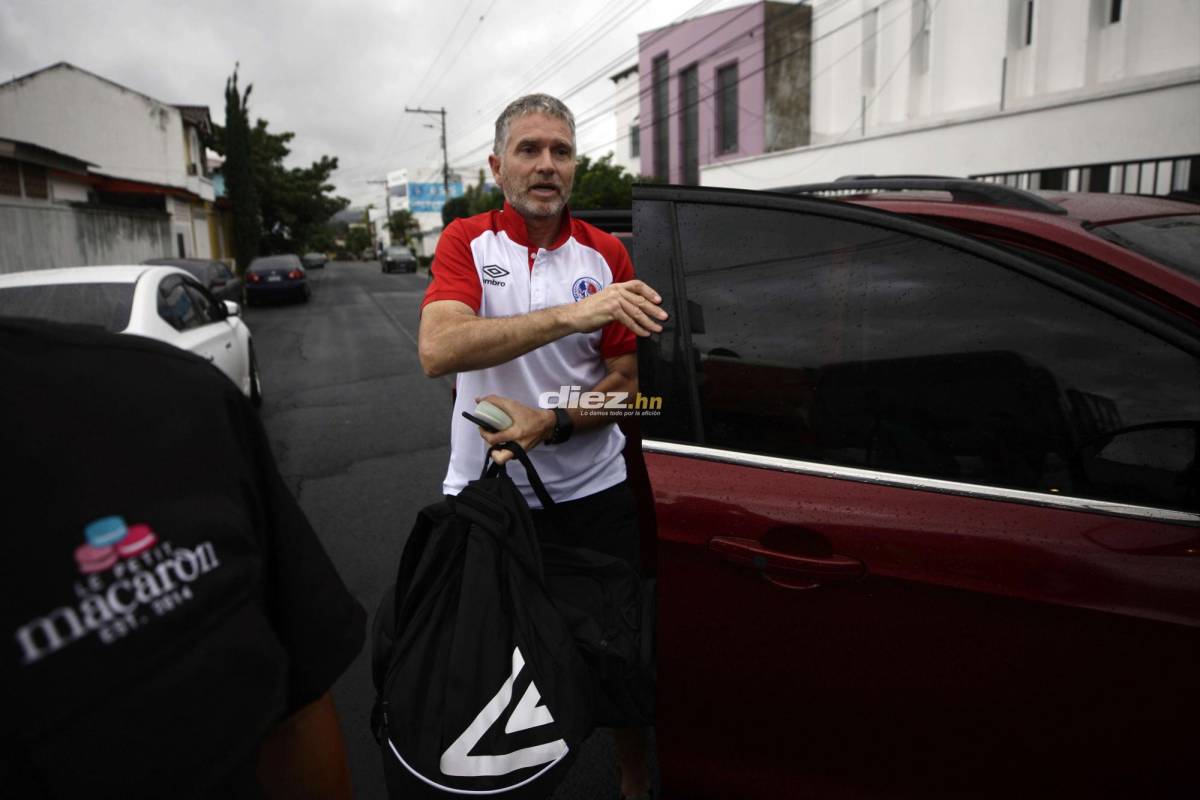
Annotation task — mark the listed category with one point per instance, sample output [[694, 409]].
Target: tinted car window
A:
[[268, 263], [107, 305], [198, 269], [176, 306], [1173, 241], [839, 342], [204, 305]]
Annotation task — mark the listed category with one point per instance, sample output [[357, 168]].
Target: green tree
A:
[[293, 203], [357, 240], [474, 200], [240, 184], [403, 227], [601, 184]]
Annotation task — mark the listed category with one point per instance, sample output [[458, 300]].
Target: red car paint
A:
[[850, 635]]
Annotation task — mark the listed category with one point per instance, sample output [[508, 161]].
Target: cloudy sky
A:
[[338, 73]]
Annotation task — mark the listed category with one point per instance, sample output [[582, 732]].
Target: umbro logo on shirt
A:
[[493, 273]]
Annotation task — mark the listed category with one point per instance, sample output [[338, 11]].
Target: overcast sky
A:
[[338, 73]]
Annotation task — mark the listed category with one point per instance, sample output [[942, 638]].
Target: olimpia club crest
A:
[[584, 288]]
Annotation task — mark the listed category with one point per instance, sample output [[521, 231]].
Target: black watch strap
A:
[[564, 426]]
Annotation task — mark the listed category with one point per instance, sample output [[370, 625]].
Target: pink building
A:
[[726, 85]]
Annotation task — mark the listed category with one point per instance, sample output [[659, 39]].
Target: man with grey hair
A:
[[526, 304]]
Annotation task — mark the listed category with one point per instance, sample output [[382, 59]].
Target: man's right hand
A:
[[632, 303]]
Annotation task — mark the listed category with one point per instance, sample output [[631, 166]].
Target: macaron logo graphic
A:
[[108, 540], [129, 578], [584, 288]]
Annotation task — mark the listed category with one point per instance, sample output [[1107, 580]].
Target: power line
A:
[[429, 69], [438, 54], [559, 61], [767, 64], [582, 119], [703, 5], [467, 41]]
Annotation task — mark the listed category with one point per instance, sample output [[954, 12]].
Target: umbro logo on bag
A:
[[493, 273], [529, 713]]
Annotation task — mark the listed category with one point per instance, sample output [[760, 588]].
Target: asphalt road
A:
[[362, 438]]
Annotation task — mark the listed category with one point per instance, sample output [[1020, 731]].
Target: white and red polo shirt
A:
[[487, 262]]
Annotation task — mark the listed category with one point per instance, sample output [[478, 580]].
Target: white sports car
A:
[[164, 303]]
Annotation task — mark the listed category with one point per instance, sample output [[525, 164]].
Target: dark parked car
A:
[[927, 492], [277, 277], [313, 260], [397, 258], [216, 276]]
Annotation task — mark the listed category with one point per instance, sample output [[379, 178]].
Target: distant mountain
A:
[[348, 215]]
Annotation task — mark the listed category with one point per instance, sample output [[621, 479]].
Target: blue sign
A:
[[430, 196]]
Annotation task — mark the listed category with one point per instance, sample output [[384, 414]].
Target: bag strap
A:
[[491, 469]]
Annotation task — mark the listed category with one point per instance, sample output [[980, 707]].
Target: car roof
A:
[[108, 274], [178, 262]]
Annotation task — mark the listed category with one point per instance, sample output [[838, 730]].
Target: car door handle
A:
[[751, 553]]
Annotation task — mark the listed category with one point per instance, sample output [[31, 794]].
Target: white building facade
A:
[[1089, 95], [139, 144], [627, 148]]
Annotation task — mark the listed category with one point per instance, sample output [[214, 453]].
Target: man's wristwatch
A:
[[563, 427]]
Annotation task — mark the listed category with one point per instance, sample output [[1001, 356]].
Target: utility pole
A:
[[445, 158]]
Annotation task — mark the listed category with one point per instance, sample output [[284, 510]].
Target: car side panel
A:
[[979, 647], [988, 643]]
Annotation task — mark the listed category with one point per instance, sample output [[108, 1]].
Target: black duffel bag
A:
[[481, 687], [610, 612]]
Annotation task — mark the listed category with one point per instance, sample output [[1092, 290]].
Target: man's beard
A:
[[527, 206]]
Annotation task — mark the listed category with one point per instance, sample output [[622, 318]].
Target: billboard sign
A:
[[431, 196]]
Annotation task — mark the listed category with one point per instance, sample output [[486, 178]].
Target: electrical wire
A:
[[702, 98]]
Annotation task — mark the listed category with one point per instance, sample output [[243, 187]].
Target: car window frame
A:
[[167, 284], [1082, 286], [213, 303]]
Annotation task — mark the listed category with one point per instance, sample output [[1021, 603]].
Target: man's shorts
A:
[[605, 522]]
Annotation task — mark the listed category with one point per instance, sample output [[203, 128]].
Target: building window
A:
[[1028, 39], [1098, 178], [689, 125], [727, 109], [10, 177], [635, 141], [36, 185], [659, 101], [1114, 12], [1053, 179]]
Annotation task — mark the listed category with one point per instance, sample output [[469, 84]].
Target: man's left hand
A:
[[531, 426]]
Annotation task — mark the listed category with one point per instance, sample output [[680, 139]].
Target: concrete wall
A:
[[124, 133], [711, 42], [1140, 122], [932, 59], [951, 87], [44, 236], [788, 62]]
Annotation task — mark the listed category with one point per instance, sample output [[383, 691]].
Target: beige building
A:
[[145, 154]]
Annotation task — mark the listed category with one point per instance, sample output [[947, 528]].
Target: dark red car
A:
[[927, 487]]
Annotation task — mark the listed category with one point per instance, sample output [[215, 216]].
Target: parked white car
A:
[[164, 303]]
